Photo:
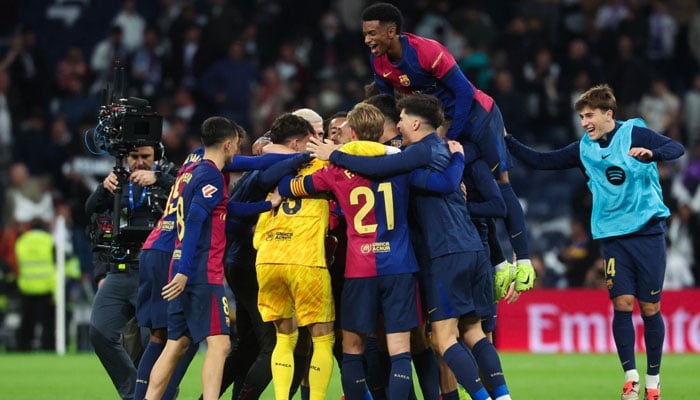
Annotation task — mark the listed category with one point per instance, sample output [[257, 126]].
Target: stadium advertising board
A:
[[579, 321]]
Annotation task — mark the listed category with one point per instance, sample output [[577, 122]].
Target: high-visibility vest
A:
[[36, 268]]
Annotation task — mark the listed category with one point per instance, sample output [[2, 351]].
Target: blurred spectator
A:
[[224, 24], [188, 58], [132, 24], [663, 29], [519, 43], [511, 101], [609, 15], [581, 83], [635, 26], [475, 26], [31, 131], [678, 269], [228, 85], [271, 100], [30, 74], [292, 71], [679, 233], [174, 140], [168, 13], [146, 65], [27, 198], [56, 151], [660, 107], [9, 115], [540, 83], [434, 24], [691, 112], [104, 55], [579, 255], [694, 38], [73, 74], [629, 76], [186, 107], [330, 45], [476, 65], [579, 59]]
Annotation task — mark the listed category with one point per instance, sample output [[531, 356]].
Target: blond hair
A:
[[367, 121]]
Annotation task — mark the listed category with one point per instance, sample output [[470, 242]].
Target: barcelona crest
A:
[[403, 79]]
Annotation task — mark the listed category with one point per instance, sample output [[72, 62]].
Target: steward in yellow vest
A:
[[35, 260], [37, 282]]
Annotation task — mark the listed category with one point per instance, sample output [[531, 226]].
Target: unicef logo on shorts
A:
[[615, 175]]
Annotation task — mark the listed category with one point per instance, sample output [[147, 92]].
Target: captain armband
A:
[[297, 186]]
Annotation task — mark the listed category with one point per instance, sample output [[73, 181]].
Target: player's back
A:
[[205, 185], [163, 235], [443, 219], [294, 232], [376, 212]]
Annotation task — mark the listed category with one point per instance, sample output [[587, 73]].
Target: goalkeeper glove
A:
[[524, 276], [505, 273]]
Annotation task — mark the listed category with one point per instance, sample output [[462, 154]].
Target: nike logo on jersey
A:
[[605, 156], [209, 191], [386, 74], [655, 292], [432, 310], [516, 235]]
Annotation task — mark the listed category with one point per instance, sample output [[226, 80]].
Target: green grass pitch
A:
[[529, 376]]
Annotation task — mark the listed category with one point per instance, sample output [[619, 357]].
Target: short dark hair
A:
[[289, 126], [386, 104], [216, 130], [384, 13], [425, 106], [327, 122], [599, 96]]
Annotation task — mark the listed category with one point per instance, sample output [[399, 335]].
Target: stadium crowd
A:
[[252, 61]]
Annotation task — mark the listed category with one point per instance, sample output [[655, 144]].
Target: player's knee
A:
[[218, 343], [624, 302], [649, 309]]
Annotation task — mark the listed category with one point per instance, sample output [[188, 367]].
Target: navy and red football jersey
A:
[[162, 237], [205, 186], [425, 67], [377, 218]]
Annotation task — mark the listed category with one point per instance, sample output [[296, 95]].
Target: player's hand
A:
[[143, 177], [512, 295], [111, 182], [455, 147], [641, 154], [175, 287], [321, 149], [524, 277], [276, 198], [259, 143]]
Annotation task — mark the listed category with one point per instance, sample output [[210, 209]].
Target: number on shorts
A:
[[610, 267], [224, 301]]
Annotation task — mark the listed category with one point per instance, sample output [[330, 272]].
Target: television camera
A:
[[125, 124]]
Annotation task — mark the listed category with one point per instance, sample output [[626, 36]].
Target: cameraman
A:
[[142, 188]]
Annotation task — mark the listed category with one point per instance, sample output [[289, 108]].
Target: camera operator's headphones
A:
[[158, 151]]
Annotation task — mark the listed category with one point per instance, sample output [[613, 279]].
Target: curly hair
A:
[[384, 13]]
